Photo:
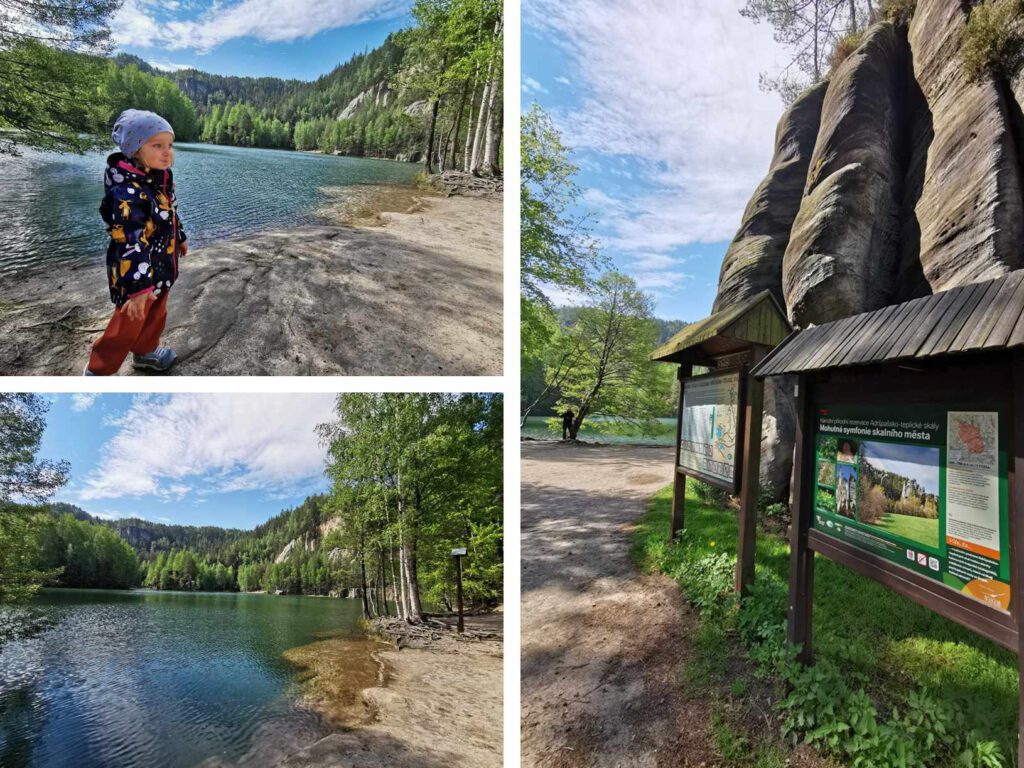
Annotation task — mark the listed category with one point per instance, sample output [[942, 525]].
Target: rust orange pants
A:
[[124, 335]]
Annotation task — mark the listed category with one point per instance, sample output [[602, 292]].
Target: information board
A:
[[921, 486], [709, 434]]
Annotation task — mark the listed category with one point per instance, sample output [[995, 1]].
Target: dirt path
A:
[[602, 644]]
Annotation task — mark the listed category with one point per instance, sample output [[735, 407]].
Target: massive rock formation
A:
[[753, 261], [844, 243], [914, 187], [964, 219]]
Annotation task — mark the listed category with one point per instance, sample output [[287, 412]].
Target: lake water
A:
[[158, 678], [620, 433], [49, 202]]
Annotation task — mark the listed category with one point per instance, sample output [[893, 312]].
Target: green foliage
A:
[[864, 701], [416, 476], [82, 554], [48, 93], [556, 247], [845, 46], [129, 88], [709, 494], [899, 12], [993, 41], [22, 422], [603, 364]]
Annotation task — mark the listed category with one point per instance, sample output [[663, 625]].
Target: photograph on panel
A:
[[251, 187], [772, 344], [229, 580]]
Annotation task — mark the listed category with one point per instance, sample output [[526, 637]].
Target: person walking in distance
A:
[[567, 418]]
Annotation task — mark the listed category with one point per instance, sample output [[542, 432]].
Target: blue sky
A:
[[660, 101], [280, 38], [190, 459]]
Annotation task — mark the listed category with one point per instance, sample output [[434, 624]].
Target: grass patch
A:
[[889, 674], [923, 530]]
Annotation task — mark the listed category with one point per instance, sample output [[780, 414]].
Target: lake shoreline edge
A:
[[443, 691], [393, 287]]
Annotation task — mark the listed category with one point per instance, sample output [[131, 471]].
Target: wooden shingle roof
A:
[[757, 320], [969, 318]]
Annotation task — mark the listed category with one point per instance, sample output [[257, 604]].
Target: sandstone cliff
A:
[[910, 185]]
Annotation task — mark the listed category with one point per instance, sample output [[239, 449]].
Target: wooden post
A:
[[801, 558], [679, 478], [749, 481], [458, 554], [1015, 483]]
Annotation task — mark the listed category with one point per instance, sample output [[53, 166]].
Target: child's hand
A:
[[136, 306], [182, 249]]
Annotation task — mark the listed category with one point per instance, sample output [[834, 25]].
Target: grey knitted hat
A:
[[134, 127]]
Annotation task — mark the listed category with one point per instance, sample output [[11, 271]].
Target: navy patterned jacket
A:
[[141, 215]]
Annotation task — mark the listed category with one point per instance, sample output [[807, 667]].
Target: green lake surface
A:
[[49, 202], [142, 678], [600, 430]]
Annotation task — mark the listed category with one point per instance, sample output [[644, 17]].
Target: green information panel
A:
[[921, 486]]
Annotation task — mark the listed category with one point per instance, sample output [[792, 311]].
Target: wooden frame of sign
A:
[[731, 341], [985, 382], [749, 414]]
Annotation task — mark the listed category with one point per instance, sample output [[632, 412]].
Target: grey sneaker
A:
[[160, 359], [86, 371]]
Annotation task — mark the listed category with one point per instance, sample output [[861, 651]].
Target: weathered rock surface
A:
[[380, 94], [753, 261], [419, 294], [963, 181], [844, 246]]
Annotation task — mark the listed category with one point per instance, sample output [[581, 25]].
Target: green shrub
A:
[[897, 11], [845, 46], [993, 41], [708, 493]]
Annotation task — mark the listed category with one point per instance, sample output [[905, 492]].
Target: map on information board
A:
[[709, 433]]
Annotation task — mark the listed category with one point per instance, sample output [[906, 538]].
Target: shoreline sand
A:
[[402, 282], [438, 705]]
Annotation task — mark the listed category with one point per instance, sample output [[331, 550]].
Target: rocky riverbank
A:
[[402, 282]]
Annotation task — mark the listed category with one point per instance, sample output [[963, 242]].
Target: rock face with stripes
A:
[[753, 261], [843, 250], [964, 216]]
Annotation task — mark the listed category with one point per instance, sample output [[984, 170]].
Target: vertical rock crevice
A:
[[753, 261], [843, 250]]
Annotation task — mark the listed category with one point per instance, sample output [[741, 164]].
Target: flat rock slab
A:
[[602, 644], [421, 295]]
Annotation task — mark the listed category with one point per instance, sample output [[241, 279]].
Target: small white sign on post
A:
[[458, 553]]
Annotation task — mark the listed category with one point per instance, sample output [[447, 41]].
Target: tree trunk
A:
[[481, 122], [490, 156], [453, 135], [467, 147], [383, 580], [366, 599], [394, 585], [430, 136]]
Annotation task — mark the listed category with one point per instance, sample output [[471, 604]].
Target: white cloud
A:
[[563, 80], [649, 280], [673, 85], [165, 446], [168, 66], [147, 25], [82, 401], [529, 85]]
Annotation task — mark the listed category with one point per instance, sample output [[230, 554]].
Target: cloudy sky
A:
[[191, 459], [280, 38], [660, 101]]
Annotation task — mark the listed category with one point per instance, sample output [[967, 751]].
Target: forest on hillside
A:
[[431, 93], [414, 476]]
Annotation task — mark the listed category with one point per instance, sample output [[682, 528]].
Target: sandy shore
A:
[[430, 707], [403, 282]]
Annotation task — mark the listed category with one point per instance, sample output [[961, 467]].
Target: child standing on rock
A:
[[146, 241]]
